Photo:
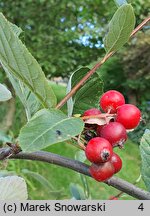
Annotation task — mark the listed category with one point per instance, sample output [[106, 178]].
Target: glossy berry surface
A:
[[92, 111], [113, 198], [98, 130], [116, 162], [98, 150], [102, 172], [115, 133], [128, 115], [111, 100]]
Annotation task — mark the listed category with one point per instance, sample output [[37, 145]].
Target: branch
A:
[[84, 169], [140, 26], [92, 71], [83, 80], [13, 149]]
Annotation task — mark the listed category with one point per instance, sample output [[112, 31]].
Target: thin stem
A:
[[73, 144], [103, 115], [140, 26], [79, 167], [27, 110], [83, 140], [82, 81], [79, 142], [98, 65]]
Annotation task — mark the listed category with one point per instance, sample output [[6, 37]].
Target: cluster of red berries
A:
[[99, 150]]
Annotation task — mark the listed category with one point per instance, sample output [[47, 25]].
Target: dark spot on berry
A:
[[105, 155]]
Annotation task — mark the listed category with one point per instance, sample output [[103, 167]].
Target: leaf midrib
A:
[[32, 143], [13, 52], [118, 35]]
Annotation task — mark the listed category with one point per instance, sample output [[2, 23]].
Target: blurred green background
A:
[[63, 36]]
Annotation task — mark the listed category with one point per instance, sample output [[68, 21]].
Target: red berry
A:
[[116, 162], [128, 115], [111, 100], [92, 111], [113, 198], [98, 130], [102, 172], [98, 150], [115, 133]]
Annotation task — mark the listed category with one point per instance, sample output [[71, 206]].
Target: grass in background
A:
[[60, 92]]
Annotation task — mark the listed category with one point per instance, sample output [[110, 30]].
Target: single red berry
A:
[[113, 198], [128, 115], [115, 133], [111, 100], [98, 150], [116, 162], [92, 112], [98, 130], [102, 172]]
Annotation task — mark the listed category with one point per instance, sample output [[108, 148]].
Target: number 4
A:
[[141, 207]]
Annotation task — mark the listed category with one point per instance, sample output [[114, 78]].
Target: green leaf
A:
[[74, 79], [5, 94], [4, 173], [70, 101], [17, 30], [43, 181], [85, 186], [120, 28], [88, 96], [4, 137], [17, 59], [77, 192], [49, 188], [145, 155], [13, 188], [28, 99], [47, 127], [80, 156], [84, 99]]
